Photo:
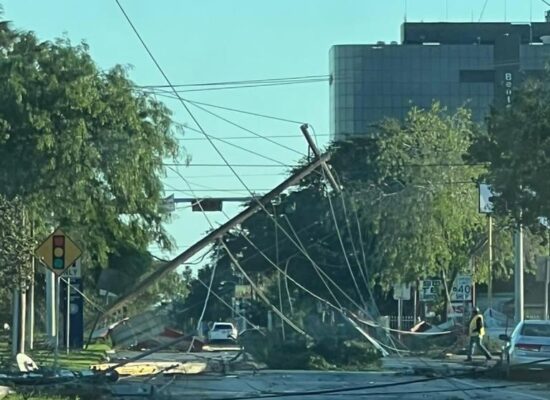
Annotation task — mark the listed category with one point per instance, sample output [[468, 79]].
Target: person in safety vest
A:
[[476, 331]]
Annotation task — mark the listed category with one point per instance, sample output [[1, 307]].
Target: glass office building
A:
[[458, 64]]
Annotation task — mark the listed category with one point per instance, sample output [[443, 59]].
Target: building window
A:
[[477, 75]]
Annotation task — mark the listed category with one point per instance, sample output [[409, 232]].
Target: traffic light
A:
[[206, 205], [58, 259]]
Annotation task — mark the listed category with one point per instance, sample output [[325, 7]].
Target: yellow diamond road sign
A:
[[58, 252]]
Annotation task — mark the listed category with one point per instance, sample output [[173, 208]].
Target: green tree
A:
[[80, 146], [408, 210], [421, 205], [16, 247], [516, 148]]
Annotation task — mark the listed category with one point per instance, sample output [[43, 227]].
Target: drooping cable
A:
[[227, 304], [237, 264], [208, 89], [237, 110], [241, 82], [341, 241], [228, 121], [241, 148], [184, 104], [279, 269]]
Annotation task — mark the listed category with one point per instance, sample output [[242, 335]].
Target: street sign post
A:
[[58, 252], [401, 292], [462, 289], [73, 307], [461, 295], [430, 290]]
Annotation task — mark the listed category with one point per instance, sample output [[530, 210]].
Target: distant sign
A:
[[486, 206], [74, 271], [75, 313], [462, 289], [402, 291], [168, 204], [429, 289]]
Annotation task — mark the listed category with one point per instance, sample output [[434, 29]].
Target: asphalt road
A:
[[342, 385]]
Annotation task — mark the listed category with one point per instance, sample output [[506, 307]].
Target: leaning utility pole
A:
[[317, 153], [215, 234]]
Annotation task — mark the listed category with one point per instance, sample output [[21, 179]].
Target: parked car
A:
[[528, 347], [223, 331]]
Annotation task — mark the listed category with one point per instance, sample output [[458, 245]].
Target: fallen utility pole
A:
[[215, 234]]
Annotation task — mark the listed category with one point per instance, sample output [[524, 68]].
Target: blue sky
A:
[[221, 40]]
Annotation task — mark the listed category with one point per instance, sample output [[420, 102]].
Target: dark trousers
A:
[[477, 341]]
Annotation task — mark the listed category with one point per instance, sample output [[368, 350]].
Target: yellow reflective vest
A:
[[473, 326]]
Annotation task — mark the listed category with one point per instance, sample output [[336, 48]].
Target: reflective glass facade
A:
[[371, 82]]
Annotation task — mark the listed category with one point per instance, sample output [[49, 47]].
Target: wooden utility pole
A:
[[217, 233], [490, 277], [317, 153]]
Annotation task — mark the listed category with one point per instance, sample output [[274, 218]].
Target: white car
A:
[[528, 347], [223, 331]]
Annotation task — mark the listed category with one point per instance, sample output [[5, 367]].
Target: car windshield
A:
[[536, 330], [218, 327]]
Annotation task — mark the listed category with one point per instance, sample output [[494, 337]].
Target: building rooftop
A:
[[471, 32]]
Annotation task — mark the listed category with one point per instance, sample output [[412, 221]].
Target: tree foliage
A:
[[408, 210], [79, 146], [16, 246], [421, 207], [516, 148]]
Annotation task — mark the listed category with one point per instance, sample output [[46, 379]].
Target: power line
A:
[[347, 389], [369, 394], [299, 245], [240, 147], [206, 187], [240, 127], [165, 93], [251, 86], [341, 241], [225, 165], [256, 190], [482, 10], [246, 112], [225, 176], [243, 272], [254, 137], [173, 188], [183, 103], [249, 81], [233, 258], [431, 165], [236, 190]]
